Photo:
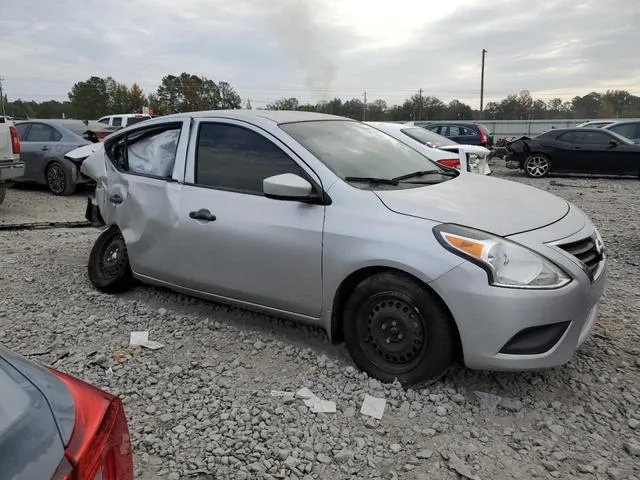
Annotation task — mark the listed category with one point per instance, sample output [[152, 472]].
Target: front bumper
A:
[[9, 171], [488, 318]]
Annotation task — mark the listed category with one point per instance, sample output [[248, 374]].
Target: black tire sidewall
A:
[[436, 321], [526, 171], [123, 281], [3, 192], [69, 185]]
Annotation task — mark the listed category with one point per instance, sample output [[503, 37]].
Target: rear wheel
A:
[[109, 268], [59, 180], [395, 328], [537, 165]]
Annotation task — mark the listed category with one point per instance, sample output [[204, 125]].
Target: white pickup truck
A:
[[10, 164]]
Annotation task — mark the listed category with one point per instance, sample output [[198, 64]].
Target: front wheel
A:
[[109, 269], [537, 166], [3, 191], [59, 180], [395, 328]]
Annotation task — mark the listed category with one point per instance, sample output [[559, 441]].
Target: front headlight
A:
[[507, 263]]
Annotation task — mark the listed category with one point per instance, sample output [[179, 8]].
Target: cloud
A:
[[318, 49]]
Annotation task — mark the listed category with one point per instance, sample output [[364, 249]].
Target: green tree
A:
[[284, 104], [89, 99], [229, 98], [186, 93], [137, 99]]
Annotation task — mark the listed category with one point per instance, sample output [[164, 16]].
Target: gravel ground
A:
[[200, 407]]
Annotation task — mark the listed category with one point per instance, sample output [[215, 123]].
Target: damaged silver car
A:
[[329, 221]]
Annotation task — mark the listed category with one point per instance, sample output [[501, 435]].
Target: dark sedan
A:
[[43, 146], [467, 133], [54, 426], [575, 150]]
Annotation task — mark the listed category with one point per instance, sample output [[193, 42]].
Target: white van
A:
[[124, 119]]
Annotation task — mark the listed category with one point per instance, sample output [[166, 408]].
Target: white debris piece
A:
[[141, 339], [488, 401], [304, 392], [373, 407], [315, 404], [283, 395]]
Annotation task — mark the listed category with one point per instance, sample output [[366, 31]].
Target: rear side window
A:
[[569, 137], [626, 130], [117, 121], [40, 132], [22, 129], [149, 152], [234, 158]]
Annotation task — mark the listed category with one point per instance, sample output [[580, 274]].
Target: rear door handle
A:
[[202, 214], [116, 198], [45, 147]]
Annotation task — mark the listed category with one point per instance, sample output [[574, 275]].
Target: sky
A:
[[320, 49]]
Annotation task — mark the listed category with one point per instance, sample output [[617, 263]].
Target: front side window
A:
[[595, 138], [146, 152], [235, 158], [353, 149], [104, 120]]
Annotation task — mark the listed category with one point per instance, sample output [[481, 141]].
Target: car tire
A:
[[395, 328], [537, 165], [109, 269], [58, 179], [3, 191]]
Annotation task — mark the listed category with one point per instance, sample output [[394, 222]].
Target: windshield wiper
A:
[[374, 180], [422, 173]]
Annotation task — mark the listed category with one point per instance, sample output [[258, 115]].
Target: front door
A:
[[601, 156], [234, 241], [143, 172]]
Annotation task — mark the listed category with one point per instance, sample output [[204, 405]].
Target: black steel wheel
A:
[[395, 328], [109, 268], [59, 180]]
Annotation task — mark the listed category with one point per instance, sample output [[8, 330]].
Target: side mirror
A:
[[287, 186]]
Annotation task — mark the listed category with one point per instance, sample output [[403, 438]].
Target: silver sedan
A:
[[329, 221]]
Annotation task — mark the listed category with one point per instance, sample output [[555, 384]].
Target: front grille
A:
[[587, 252]]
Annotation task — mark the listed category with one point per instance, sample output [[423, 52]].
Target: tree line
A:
[[98, 96]]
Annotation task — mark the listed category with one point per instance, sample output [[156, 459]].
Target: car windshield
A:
[[425, 136], [353, 149], [621, 138]]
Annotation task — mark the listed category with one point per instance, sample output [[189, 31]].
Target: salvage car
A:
[[44, 144], [472, 158], [11, 166], [54, 426], [329, 221], [575, 150]]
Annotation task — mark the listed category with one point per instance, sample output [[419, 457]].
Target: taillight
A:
[[99, 448], [15, 140], [483, 136], [450, 162]]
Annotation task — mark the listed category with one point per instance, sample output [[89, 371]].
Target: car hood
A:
[[496, 206]]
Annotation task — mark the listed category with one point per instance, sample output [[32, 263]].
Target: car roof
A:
[[127, 115], [276, 116], [623, 122]]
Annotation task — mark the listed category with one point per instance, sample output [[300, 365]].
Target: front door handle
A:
[[203, 214], [45, 147], [116, 198]]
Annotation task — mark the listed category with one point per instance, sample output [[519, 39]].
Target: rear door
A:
[[565, 157], [37, 147], [144, 169], [251, 248]]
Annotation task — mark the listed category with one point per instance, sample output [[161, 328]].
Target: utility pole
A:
[[420, 107], [364, 106], [2, 97], [482, 83]]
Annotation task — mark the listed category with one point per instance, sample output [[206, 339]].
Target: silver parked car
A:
[[44, 144], [329, 221]]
